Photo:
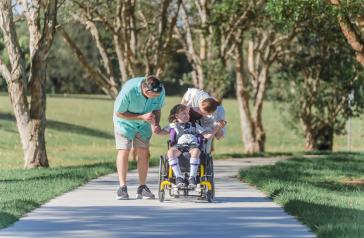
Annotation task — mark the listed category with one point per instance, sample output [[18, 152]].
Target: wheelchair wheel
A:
[[162, 172], [209, 196], [210, 177], [162, 195]]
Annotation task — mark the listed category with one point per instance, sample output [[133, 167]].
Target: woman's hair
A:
[[209, 105], [176, 109]]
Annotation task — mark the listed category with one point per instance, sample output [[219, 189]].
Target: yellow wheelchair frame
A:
[[205, 188]]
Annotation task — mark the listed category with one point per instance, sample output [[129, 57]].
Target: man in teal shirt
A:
[[137, 111]]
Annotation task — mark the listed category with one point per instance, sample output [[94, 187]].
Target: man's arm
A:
[[156, 128], [149, 117], [157, 116]]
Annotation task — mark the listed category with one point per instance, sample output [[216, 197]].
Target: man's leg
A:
[[143, 164], [122, 165]]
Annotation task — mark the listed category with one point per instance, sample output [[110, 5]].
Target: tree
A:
[[351, 21], [196, 34], [65, 74], [30, 118], [318, 77], [238, 23], [137, 34]]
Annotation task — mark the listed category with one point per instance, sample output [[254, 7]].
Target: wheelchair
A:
[[205, 189]]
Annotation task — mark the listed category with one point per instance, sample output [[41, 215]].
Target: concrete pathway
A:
[[92, 211]]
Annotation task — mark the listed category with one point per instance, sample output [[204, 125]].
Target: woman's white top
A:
[[193, 97]]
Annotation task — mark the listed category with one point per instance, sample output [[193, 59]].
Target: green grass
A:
[[80, 146], [313, 190], [23, 190]]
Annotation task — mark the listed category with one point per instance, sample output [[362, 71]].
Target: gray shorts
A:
[[123, 143]]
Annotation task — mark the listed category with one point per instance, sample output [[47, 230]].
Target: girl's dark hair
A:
[[209, 105], [176, 109]]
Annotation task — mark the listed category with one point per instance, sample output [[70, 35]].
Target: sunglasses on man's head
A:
[[156, 88]]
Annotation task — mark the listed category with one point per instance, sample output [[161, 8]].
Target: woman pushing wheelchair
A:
[[206, 109]]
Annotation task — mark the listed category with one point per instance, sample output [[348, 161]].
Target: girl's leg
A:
[[195, 161], [173, 154]]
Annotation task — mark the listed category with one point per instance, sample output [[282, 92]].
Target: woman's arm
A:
[[184, 101], [217, 128]]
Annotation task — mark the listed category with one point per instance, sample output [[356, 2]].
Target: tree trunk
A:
[[247, 128], [35, 154], [319, 140], [121, 60], [258, 108], [30, 121]]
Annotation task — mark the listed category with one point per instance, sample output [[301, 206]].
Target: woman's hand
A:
[[221, 123]]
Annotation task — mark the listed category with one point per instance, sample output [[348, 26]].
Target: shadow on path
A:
[[114, 221]]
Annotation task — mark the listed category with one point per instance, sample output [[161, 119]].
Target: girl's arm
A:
[[164, 131]]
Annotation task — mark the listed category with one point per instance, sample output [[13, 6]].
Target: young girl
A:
[[185, 136]]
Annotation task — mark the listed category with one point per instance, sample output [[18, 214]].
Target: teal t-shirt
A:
[[131, 99]]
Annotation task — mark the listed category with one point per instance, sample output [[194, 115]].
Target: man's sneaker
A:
[[192, 183], [144, 192], [122, 193], [180, 182]]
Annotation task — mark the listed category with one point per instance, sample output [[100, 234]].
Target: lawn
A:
[[325, 192], [80, 146]]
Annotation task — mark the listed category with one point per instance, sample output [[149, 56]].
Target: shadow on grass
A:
[[81, 96], [243, 155], [70, 172], [6, 218], [337, 186], [314, 171], [17, 206], [328, 221], [63, 126], [295, 154]]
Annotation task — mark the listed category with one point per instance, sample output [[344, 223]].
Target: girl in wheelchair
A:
[[185, 136]]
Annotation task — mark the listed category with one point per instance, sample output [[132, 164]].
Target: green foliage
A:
[[288, 13], [218, 81], [320, 72], [217, 78], [65, 74], [23, 37]]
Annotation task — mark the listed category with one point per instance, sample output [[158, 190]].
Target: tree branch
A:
[[354, 38], [5, 72]]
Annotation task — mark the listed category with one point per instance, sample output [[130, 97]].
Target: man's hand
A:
[[149, 117], [156, 129]]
